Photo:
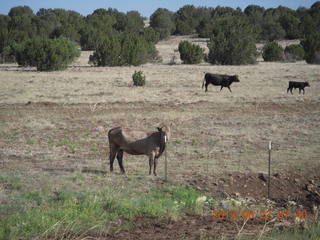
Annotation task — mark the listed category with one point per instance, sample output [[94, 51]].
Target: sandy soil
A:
[[166, 83]]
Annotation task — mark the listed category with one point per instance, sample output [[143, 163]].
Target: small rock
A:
[[296, 180], [262, 177], [237, 194], [231, 179], [282, 225], [222, 180], [250, 199], [220, 194], [310, 187], [100, 129], [277, 175], [311, 181]]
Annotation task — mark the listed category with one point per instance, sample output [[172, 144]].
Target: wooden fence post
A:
[[165, 160], [269, 169]]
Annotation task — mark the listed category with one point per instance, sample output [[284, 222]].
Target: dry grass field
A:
[[57, 122]]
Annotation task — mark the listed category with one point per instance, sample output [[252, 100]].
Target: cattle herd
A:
[[224, 80], [153, 144]]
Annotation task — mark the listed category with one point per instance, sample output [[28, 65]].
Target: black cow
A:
[[300, 85], [219, 80]]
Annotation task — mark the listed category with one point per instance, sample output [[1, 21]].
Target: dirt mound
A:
[[296, 186], [299, 186]]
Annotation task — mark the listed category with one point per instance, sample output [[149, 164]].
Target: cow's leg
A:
[[229, 88], [151, 161], [221, 88], [207, 84], [112, 155], [291, 90], [299, 90], [303, 90], [288, 89], [120, 158], [155, 166]]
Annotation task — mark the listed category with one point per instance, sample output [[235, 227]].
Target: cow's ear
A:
[[159, 129]]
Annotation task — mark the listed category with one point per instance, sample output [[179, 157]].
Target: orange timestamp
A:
[[219, 214]]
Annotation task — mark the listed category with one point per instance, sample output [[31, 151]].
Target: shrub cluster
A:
[[311, 46], [255, 23], [123, 49], [294, 52], [162, 21], [138, 78], [272, 51], [46, 54], [233, 42], [190, 53]]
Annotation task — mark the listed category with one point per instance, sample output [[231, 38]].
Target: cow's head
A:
[[306, 84], [234, 78], [166, 129]]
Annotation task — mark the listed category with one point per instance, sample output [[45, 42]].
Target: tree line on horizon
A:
[[123, 39]]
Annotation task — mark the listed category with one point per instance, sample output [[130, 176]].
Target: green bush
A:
[[290, 24], [190, 53], [150, 35], [311, 46], [272, 51], [188, 17], [294, 52], [272, 30], [107, 52], [136, 50], [46, 54], [139, 79], [233, 42], [123, 49], [162, 22]]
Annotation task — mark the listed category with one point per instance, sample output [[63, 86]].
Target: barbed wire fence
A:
[[216, 160]]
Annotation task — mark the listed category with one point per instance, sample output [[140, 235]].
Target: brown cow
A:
[[137, 142]]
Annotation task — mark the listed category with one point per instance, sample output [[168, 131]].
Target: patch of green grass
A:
[[33, 197], [84, 134], [10, 182], [94, 147], [3, 134], [63, 142], [50, 143], [47, 214], [31, 141], [310, 232]]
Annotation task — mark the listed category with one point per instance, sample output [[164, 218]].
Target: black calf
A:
[[300, 85]]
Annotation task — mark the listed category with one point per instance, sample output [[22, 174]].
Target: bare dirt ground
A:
[[59, 120]]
